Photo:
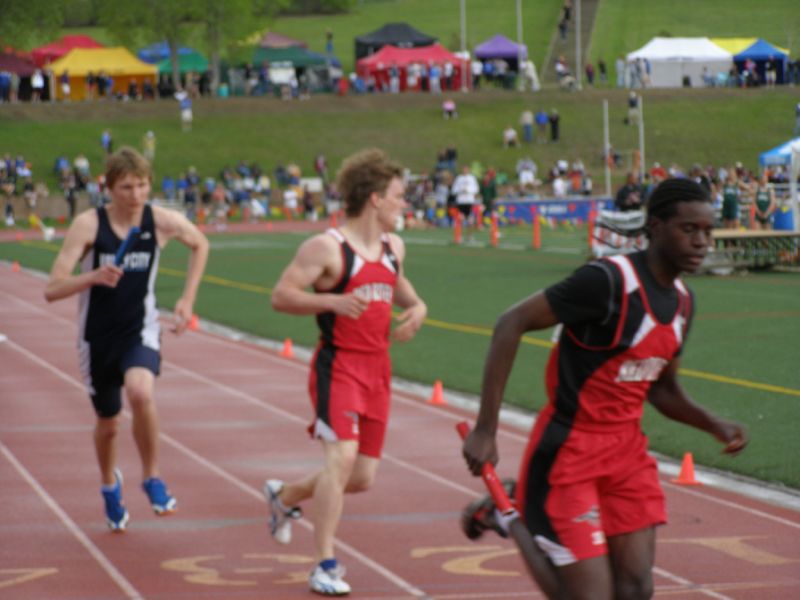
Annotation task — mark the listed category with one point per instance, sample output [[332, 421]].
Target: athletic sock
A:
[[328, 564], [504, 520]]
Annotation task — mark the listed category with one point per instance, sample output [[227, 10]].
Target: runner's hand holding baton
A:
[[492, 481]]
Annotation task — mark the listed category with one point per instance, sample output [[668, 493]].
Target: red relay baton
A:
[[490, 478]]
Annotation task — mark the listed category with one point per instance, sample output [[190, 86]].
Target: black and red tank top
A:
[[603, 387], [372, 280]]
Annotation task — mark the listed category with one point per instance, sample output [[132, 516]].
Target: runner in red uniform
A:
[[356, 275], [588, 492]]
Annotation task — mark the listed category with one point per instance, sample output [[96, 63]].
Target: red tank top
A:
[[373, 280], [605, 388]]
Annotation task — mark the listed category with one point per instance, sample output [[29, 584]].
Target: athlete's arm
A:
[[530, 314], [405, 296], [80, 237], [173, 225], [670, 399], [316, 263]]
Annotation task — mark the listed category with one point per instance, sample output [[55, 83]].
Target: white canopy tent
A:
[[673, 59]]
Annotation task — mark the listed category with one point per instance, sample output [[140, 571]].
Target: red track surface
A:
[[234, 414]]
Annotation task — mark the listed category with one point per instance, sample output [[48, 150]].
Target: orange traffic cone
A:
[[15, 267], [437, 397], [334, 222], [18, 236], [287, 351], [194, 323], [457, 239], [686, 476], [493, 232]]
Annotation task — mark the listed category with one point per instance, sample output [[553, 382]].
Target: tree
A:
[[227, 23], [165, 20], [22, 21], [315, 7]]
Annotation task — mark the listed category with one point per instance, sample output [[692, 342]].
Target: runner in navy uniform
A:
[[119, 333], [588, 492]]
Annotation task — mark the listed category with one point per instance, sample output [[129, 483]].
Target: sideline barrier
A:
[[575, 209]]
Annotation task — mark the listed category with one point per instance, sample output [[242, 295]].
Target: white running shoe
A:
[[328, 582], [280, 517]]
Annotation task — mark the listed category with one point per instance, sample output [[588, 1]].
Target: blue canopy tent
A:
[[780, 155], [760, 52], [159, 51], [788, 216]]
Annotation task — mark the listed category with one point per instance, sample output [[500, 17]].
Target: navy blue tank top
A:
[[126, 313]]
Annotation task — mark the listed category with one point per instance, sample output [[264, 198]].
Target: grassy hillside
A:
[[625, 25], [682, 126], [485, 18]]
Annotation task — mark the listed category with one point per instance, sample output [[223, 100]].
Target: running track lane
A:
[[233, 414]]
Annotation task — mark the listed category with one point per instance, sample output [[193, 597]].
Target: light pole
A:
[[466, 61], [643, 168], [520, 47], [578, 67], [606, 149]]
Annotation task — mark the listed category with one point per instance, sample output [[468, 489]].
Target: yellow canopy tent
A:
[[119, 63], [738, 45], [734, 45]]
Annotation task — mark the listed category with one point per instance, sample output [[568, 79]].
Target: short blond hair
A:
[[127, 161], [362, 174]]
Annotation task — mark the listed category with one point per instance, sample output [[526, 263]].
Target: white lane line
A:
[[344, 547], [107, 566], [412, 400], [688, 585]]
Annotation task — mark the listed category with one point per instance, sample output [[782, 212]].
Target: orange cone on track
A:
[[287, 351], [194, 323], [15, 267], [686, 476], [437, 397]]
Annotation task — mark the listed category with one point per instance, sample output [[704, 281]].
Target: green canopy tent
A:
[[316, 70], [193, 61], [299, 57]]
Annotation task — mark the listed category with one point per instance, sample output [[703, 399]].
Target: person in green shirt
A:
[[764, 197], [731, 192]]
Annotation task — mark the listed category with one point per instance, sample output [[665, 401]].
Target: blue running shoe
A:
[[116, 513], [160, 500]]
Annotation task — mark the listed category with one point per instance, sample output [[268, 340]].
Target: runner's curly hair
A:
[[362, 174]]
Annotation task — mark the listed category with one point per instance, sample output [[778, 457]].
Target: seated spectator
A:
[[449, 109], [168, 187], [510, 137], [629, 196], [526, 172], [290, 202]]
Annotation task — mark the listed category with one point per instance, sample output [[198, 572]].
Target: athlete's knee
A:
[[139, 396], [360, 482], [633, 586], [107, 427]]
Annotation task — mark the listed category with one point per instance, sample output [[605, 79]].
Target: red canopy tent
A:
[[378, 64], [13, 63], [55, 50]]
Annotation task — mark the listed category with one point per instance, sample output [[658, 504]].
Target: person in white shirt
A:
[[466, 189]]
